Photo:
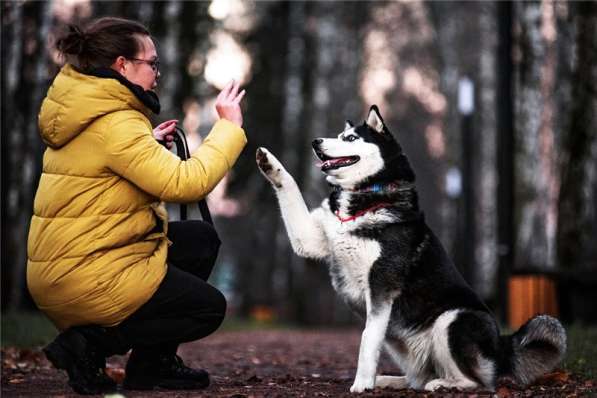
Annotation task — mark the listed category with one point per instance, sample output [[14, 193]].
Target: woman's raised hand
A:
[[164, 132], [228, 103]]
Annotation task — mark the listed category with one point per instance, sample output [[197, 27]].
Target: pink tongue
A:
[[332, 162]]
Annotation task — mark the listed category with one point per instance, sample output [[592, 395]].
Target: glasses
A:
[[154, 64]]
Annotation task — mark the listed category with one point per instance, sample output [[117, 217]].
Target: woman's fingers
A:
[[225, 91], [239, 97], [169, 129], [227, 103], [164, 131], [167, 123], [233, 91]]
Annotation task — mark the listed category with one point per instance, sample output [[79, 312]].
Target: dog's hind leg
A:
[[391, 382], [458, 362], [371, 343], [304, 231]]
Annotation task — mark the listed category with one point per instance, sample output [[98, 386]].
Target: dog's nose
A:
[[316, 142]]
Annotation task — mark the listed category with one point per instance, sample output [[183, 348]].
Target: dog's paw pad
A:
[[270, 167], [263, 161]]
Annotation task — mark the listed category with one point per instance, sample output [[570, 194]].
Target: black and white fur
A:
[[389, 267]]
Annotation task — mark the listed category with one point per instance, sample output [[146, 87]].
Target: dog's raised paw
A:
[[269, 166]]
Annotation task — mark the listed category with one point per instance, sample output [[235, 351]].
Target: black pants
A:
[[184, 307]]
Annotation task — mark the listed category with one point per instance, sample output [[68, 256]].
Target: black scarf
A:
[[148, 98]]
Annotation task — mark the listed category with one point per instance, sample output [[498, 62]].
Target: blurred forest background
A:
[[507, 177]]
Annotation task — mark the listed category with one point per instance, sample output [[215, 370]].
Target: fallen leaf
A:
[[503, 392], [116, 374], [554, 377]]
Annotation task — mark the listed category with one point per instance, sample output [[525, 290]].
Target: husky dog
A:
[[390, 268]]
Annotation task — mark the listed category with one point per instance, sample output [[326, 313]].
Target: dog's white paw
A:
[[435, 384], [361, 384], [270, 167], [461, 384]]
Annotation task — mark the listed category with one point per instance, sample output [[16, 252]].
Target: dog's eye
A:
[[350, 138]]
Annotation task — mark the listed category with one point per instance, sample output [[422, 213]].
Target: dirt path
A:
[[263, 364]]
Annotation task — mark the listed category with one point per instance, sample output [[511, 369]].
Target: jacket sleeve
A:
[[134, 154]]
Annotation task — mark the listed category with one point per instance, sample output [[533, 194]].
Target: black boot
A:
[[83, 362], [146, 371]]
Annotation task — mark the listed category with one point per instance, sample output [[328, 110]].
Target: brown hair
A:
[[101, 42]]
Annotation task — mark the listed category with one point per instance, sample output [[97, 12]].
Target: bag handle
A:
[[182, 150]]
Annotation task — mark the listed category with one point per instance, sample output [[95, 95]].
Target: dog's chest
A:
[[351, 262]]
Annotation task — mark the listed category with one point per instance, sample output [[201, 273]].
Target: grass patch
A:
[[26, 329], [581, 357]]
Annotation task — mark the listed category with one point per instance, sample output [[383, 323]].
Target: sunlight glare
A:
[[226, 60]]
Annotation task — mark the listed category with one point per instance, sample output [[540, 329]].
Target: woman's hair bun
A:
[[100, 42], [73, 42]]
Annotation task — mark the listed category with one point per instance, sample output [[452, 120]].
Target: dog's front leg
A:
[[304, 231], [371, 342]]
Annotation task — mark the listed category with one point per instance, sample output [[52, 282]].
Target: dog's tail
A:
[[535, 349]]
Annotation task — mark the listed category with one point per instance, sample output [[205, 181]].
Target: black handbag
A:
[[182, 150]]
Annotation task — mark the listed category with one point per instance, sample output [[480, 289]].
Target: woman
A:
[[104, 263]]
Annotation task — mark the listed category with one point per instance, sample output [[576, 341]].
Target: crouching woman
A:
[[104, 263]]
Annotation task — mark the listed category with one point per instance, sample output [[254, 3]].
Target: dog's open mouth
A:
[[330, 163]]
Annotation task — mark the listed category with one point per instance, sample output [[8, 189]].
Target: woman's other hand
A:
[[228, 103], [164, 132]]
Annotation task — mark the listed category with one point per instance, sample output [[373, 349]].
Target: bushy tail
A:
[[535, 349]]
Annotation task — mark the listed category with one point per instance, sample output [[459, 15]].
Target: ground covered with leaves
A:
[[274, 363]]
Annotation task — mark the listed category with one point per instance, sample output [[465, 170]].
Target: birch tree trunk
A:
[[484, 276], [536, 157]]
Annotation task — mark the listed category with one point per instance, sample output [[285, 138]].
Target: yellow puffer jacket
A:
[[97, 241]]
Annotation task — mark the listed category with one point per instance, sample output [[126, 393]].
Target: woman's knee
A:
[[211, 313], [218, 309], [219, 303]]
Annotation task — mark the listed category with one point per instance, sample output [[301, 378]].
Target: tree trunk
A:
[[12, 27], [536, 158], [30, 25], [505, 156], [578, 166]]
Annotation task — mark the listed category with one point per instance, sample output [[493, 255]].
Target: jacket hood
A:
[[75, 100]]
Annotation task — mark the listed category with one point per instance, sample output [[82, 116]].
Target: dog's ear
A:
[[374, 119], [348, 125]]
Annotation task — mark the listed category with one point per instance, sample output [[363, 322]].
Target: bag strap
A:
[[182, 149]]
